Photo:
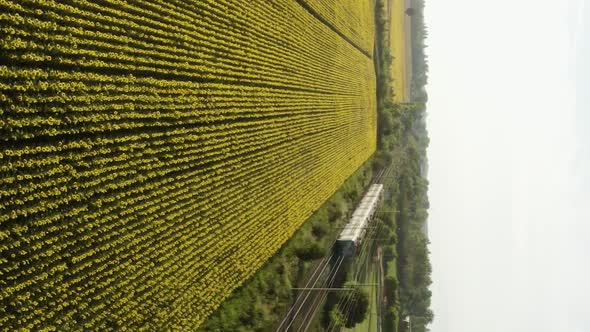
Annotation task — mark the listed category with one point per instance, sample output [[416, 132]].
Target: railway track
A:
[[309, 299]]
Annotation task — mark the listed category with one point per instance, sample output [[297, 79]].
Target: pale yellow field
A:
[[397, 41]]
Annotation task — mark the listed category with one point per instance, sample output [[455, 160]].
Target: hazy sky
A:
[[509, 123]]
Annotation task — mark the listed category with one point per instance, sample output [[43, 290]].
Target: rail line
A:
[[325, 278]]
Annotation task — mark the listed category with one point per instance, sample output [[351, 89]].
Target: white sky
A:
[[509, 155]]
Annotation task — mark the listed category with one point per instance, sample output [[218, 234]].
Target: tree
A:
[[336, 318], [410, 11], [309, 251], [359, 307], [391, 319], [391, 284], [335, 209], [319, 230]]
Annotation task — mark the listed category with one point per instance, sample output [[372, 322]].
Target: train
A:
[[351, 237]]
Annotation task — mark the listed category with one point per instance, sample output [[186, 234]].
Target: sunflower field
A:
[[154, 154]]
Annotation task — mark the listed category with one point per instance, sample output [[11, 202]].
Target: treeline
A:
[[413, 264], [402, 141], [406, 213], [404, 147]]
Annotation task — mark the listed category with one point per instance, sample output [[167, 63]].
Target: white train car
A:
[[352, 235]]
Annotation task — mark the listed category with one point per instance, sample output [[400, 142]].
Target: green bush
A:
[[390, 288], [319, 230], [309, 251], [359, 309], [391, 319]]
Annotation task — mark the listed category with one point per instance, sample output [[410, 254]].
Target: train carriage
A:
[[353, 233]]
